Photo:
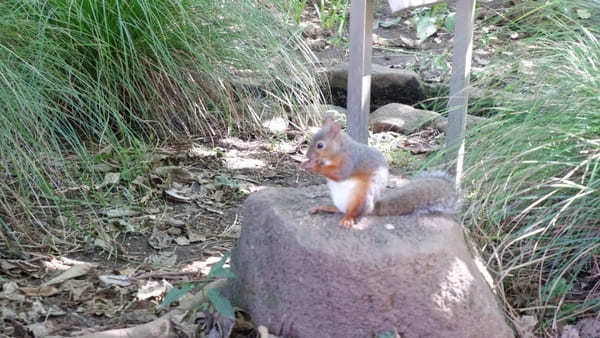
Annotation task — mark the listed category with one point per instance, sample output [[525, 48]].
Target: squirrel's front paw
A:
[[314, 210], [347, 222]]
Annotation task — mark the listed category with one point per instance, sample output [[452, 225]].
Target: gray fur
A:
[[446, 204]]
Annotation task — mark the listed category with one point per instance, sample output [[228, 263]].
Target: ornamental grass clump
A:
[[533, 173], [80, 79]]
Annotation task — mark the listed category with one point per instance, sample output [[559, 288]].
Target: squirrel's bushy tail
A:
[[429, 192]]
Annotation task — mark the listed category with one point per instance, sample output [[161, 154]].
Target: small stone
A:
[[400, 118], [174, 231], [275, 125]]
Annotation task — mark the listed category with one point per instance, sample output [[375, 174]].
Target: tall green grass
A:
[[80, 76], [533, 173]]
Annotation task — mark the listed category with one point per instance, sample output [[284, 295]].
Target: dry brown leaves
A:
[[165, 227]]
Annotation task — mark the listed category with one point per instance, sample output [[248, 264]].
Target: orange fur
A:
[[358, 199], [332, 171]]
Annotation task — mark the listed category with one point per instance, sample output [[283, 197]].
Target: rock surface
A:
[[387, 85], [304, 276], [400, 118]]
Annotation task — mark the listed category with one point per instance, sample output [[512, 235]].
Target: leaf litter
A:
[[163, 230]]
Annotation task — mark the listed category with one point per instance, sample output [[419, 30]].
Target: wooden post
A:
[[459, 96], [359, 69], [397, 5]]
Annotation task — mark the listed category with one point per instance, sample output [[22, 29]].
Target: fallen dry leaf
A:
[[76, 288], [102, 167], [176, 196], [195, 236], [10, 292], [42, 329], [102, 306], [109, 179], [139, 315], [161, 327], [40, 310], [182, 241], [151, 289], [119, 280], [174, 231], [43, 291], [141, 181], [175, 222], [121, 212], [74, 272], [159, 240], [162, 259], [100, 243], [174, 173], [127, 271]]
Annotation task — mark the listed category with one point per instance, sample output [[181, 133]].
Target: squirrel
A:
[[357, 175]]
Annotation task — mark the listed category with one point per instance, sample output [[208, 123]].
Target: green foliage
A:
[[221, 304], [77, 77], [428, 20], [333, 14], [450, 22], [533, 172], [400, 158], [387, 334], [218, 271], [426, 27], [175, 293], [296, 8]]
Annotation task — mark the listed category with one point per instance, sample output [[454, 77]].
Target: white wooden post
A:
[[359, 69], [397, 5], [459, 96]]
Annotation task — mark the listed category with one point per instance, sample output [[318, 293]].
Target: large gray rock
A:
[[387, 85], [401, 118], [303, 275]]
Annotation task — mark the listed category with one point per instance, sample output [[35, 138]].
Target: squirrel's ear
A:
[[329, 120], [334, 128]]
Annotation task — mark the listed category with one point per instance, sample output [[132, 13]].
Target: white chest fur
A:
[[341, 192]]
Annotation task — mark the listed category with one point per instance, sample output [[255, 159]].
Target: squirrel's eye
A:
[[320, 145]]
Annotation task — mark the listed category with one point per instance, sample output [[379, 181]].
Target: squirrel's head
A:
[[324, 145]]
